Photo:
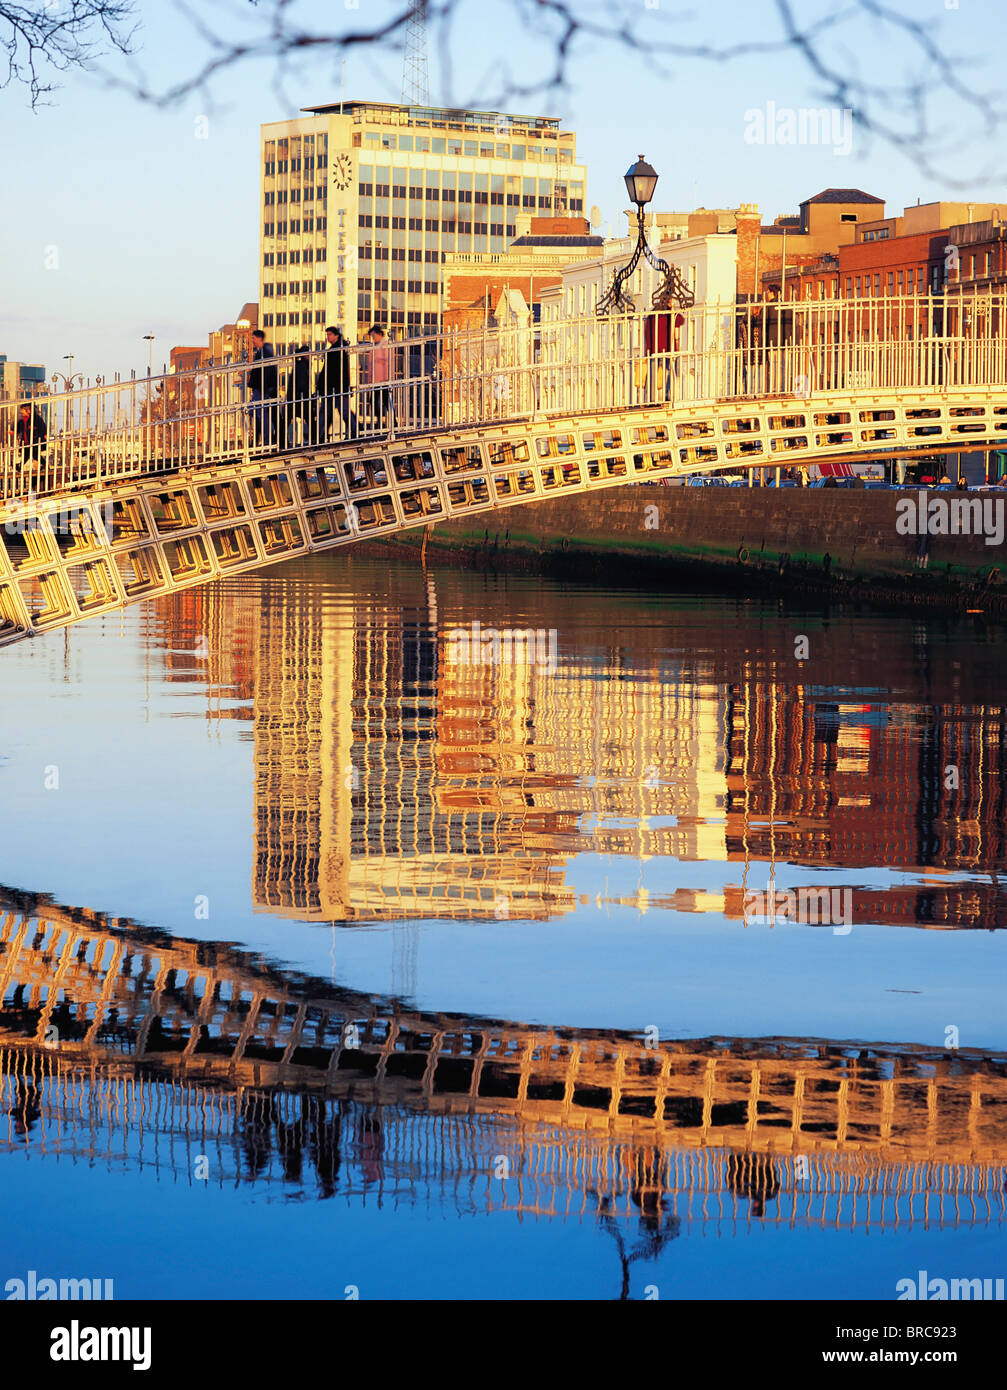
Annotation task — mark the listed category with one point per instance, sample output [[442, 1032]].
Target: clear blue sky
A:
[[155, 230]]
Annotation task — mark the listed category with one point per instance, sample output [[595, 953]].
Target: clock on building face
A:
[[342, 172]]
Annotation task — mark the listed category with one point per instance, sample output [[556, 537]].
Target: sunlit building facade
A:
[[360, 202]]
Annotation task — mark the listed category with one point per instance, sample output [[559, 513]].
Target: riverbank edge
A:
[[841, 544]]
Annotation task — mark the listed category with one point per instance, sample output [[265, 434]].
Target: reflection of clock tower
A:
[[341, 280]]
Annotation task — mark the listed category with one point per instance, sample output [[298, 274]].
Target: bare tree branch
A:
[[59, 36], [233, 34]]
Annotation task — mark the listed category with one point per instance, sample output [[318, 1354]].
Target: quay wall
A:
[[837, 541]]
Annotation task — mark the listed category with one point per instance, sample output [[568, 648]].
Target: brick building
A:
[[231, 342], [796, 256], [474, 283]]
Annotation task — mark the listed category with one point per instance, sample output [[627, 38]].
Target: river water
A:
[[372, 930]]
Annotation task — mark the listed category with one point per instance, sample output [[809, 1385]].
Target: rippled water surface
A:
[[433, 934]]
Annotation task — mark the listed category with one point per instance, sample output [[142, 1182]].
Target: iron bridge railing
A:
[[122, 428]]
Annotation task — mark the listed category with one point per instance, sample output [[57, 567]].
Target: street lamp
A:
[[641, 181], [148, 338]]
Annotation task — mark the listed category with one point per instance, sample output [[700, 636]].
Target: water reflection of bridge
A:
[[120, 1041]]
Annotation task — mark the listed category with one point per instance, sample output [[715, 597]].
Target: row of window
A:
[[435, 195], [294, 195], [272, 167], [308, 254], [282, 320], [417, 194], [279, 288], [431, 224], [473, 149], [912, 281], [295, 226], [417, 320], [398, 208], [392, 308], [908, 281], [401, 181], [294, 145], [976, 263]]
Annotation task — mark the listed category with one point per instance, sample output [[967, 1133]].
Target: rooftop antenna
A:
[[415, 80]]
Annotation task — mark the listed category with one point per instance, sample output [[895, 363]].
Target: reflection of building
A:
[[399, 775], [390, 782], [816, 780], [349, 820]]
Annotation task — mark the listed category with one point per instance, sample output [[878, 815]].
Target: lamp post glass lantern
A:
[[641, 181]]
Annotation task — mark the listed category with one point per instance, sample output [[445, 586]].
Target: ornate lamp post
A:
[[641, 180], [68, 380]]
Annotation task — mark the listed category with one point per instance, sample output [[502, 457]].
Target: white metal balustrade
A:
[[117, 429]]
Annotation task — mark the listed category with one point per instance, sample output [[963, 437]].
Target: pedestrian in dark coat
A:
[[333, 386], [263, 382], [298, 405]]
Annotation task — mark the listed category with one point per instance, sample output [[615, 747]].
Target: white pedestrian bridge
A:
[[131, 488]]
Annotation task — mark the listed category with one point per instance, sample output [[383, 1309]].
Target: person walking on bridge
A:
[[31, 431], [298, 404], [263, 380], [376, 376], [333, 385]]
